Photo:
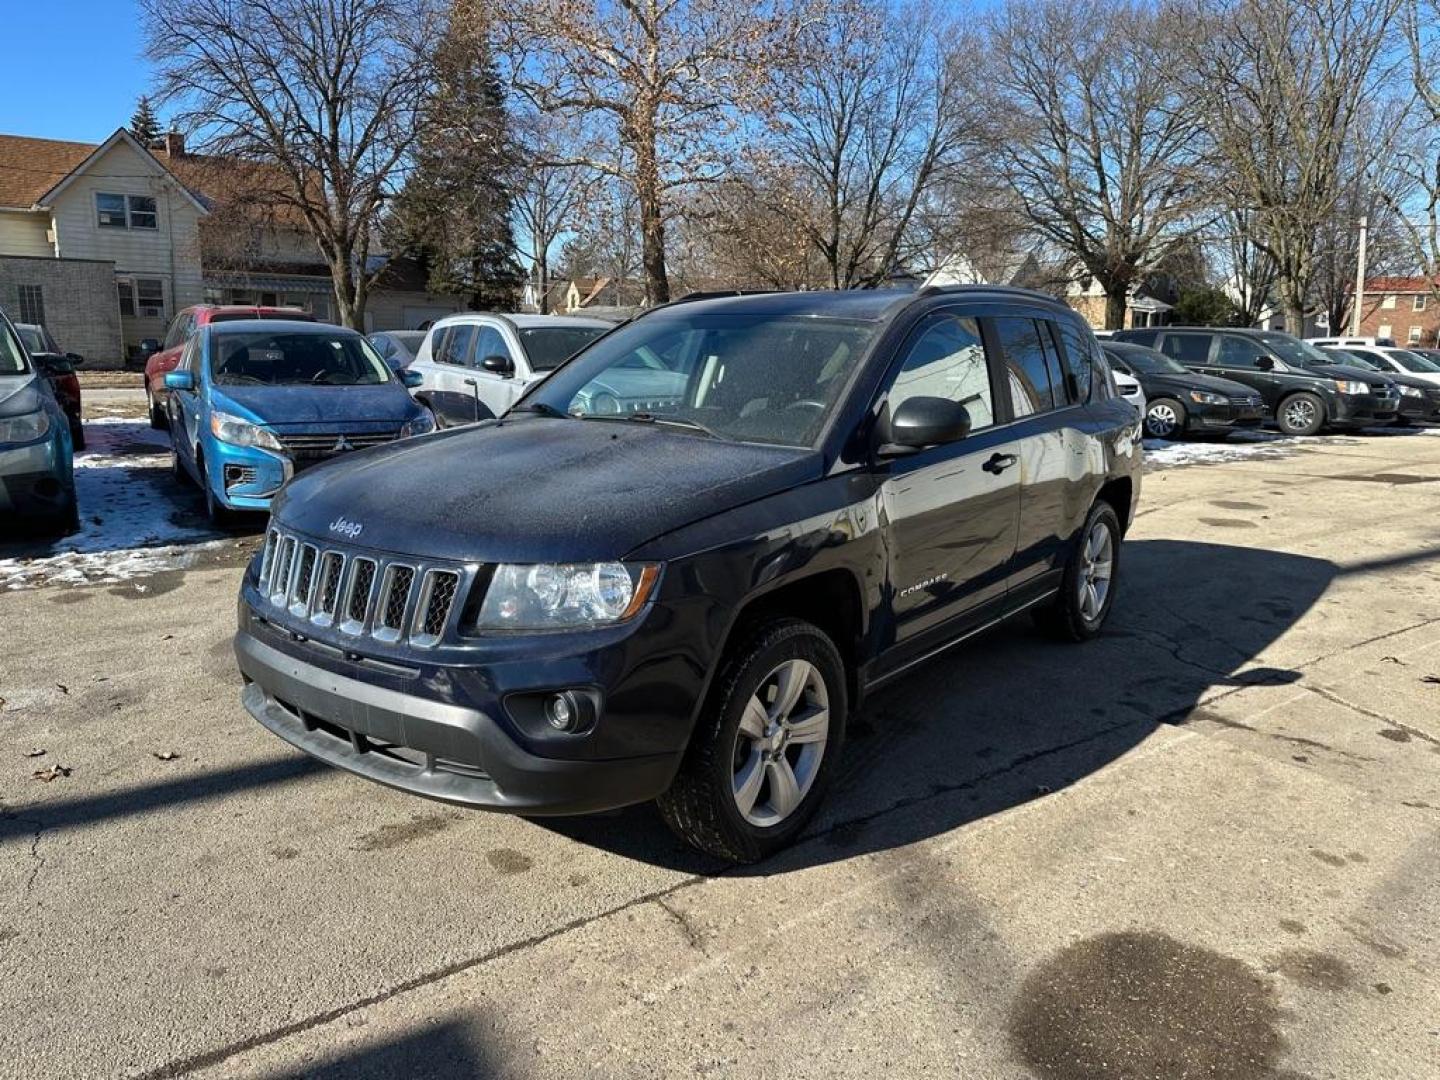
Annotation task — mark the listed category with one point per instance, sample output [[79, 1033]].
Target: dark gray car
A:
[[37, 477]]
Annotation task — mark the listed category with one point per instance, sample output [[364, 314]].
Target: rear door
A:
[[452, 396], [952, 508]]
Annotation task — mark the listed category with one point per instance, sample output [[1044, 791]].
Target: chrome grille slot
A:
[[280, 582], [327, 587], [394, 598], [304, 580], [357, 600], [361, 595]]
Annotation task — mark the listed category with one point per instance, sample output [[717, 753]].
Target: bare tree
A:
[[876, 117], [1093, 133], [327, 91], [752, 231], [1283, 88], [551, 194], [1418, 157], [1251, 268], [669, 79]]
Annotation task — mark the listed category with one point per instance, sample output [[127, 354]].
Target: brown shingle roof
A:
[[31, 167], [1398, 285]]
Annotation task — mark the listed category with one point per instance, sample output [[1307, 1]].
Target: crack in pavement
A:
[[691, 934], [1330, 695]]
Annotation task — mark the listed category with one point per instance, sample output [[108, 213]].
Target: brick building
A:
[[1403, 308]]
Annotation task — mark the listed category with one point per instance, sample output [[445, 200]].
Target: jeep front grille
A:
[[361, 595]]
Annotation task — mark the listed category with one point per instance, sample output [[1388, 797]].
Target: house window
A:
[[32, 304], [1384, 330], [111, 209], [126, 211], [1389, 302], [150, 298], [1414, 335], [126, 288], [1419, 303], [142, 212]]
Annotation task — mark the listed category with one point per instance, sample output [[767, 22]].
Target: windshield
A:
[[281, 359], [12, 357], [1351, 359], [1413, 361], [547, 347], [1149, 363], [1294, 351], [411, 339], [745, 376]]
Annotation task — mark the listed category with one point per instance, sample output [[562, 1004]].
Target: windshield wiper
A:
[[675, 421], [541, 408]]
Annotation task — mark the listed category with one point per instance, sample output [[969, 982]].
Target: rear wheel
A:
[[1087, 590], [765, 747], [1300, 414], [1165, 419]]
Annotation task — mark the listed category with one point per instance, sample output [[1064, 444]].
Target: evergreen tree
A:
[[144, 124], [454, 212]]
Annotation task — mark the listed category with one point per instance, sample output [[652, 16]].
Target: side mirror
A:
[[927, 421], [410, 379], [75, 359], [498, 365], [1264, 363], [149, 347], [179, 380]]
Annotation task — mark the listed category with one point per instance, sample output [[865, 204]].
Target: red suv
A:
[[164, 357]]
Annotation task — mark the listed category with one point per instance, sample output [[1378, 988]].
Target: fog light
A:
[[560, 710]]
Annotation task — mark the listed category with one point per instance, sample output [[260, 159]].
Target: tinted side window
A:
[[1061, 385], [1079, 360], [1238, 352], [1139, 337], [947, 360], [457, 346], [491, 344], [1187, 348], [1025, 365]]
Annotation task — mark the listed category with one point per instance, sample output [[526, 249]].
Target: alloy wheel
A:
[[780, 743], [1299, 414], [1161, 421], [1097, 563]]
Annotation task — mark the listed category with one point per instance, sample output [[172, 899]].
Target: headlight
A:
[[1412, 391], [237, 432], [421, 425], [1204, 397], [24, 428], [1349, 387], [550, 596]]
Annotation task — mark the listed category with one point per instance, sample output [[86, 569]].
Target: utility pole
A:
[[1359, 280]]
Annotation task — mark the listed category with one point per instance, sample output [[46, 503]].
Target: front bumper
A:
[[439, 750], [35, 478], [1426, 407], [1358, 410], [1226, 417], [244, 477]]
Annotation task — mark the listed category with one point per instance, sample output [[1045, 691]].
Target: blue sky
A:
[[77, 73]]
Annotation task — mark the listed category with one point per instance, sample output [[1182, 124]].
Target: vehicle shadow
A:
[[1012, 716]]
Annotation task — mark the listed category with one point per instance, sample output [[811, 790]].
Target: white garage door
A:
[[412, 317]]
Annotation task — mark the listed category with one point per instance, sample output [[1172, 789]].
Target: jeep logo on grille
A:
[[348, 529]]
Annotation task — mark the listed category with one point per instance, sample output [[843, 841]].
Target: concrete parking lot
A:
[[1206, 845]]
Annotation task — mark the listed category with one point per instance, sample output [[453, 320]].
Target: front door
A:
[[495, 391], [1243, 359], [952, 509]]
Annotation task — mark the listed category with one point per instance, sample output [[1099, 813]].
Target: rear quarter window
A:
[[1187, 348]]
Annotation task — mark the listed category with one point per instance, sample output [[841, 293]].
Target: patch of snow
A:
[[1252, 445], [133, 515]]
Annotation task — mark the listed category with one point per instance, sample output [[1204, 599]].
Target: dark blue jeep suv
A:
[[573, 608]]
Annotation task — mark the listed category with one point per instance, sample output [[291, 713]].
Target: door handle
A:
[[998, 463]]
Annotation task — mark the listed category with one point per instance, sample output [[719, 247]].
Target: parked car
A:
[[252, 403], [1419, 397], [1302, 399], [59, 367], [163, 356], [474, 366], [37, 475], [1346, 342], [1432, 355], [1180, 402], [568, 610], [397, 347], [1129, 388], [1412, 362]]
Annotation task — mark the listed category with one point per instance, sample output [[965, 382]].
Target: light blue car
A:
[[251, 403]]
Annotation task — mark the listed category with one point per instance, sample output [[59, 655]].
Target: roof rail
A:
[[940, 290]]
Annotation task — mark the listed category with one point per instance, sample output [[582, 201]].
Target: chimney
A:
[[174, 144]]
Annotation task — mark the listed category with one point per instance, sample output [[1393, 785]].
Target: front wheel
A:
[[765, 746], [158, 420], [220, 515], [1165, 419], [1300, 414], [1087, 590]]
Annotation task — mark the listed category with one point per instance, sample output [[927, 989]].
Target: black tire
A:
[[1065, 617], [221, 516], [158, 420], [1300, 413], [700, 805], [1177, 422], [77, 435]]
